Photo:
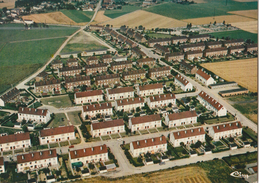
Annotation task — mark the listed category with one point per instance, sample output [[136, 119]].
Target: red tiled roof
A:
[[35, 156], [149, 142], [121, 90], [56, 62], [199, 36], [107, 124], [14, 137], [88, 151], [96, 66], [216, 49], [77, 78], [56, 131], [235, 41], [227, 127], [181, 79], [10, 94], [71, 60], [151, 86], [106, 56], [73, 68], [182, 115], [50, 82], [194, 52], [88, 93], [160, 69], [193, 45], [210, 100], [32, 111], [1, 161], [130, 101], [189, 133], [94, 107], [214, 43], [127, 62], [161, 97], [146, 60], [145, 119], [92, 58], [133, 72], [108, 76], [203, 74]]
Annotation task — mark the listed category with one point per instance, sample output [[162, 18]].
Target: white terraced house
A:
[[129, 104], [161, 100], [182, 118], [37, 160], [53, 135], [120, 93], [183, 83], [18, 140], [145, 122], [89, 155], [211, 104], [2, 165], [31, 114], [152, 145], [92, 110], [189, 136], [107, 127], [204, 78], [88, 96], [151, 89], [225, 130]]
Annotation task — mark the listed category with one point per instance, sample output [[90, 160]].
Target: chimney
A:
[[145, 141], [137, 142], [42, 111], [237, 124], [29, 109], [22, 109], [75, 152], [32, 154], [87, 107], [171, 95], [185, 131], [161, 138], [152, 140], [153, 98], [22, 157], [139, 99], [192, 130], [127, 100], [84, 150], [92, 149], [159, 96], [101, 147], [199, 129], [107, 104], [94, 106], [40, 153], [224, 126], [100, 105], [178, 133], [50, 152], [133, 99], [230, 124], [217, 127]]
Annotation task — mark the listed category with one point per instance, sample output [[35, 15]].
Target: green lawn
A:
[[219, 120], [59, 120], [79, 47], [179, 11], [8, 130], [79, 16], [237, 34], [119, 12], [57, 102], [3, 114], [74, 118], [156, 35]]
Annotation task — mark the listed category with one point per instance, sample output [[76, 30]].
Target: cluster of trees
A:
[[30, 3]]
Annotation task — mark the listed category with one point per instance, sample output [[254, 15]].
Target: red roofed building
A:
[[106, 59], [129, 104], [190, 136], [152, 145], [183, 83], [2, 166], [88, 96], [92, 60], [47, 86], [159, 72], [150, 89], [145, 122], [161, 100], [225, 130], [18, 140], [182, 118], [31, 114], [53, 135], [107, 127], [37, 160], [146, 61], [211, 104], [120, 93], [77, 81], [88, 155], [92, 110], [204, 78]]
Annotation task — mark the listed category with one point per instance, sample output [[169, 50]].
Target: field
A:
[[100, 17], [244, 72], [74, 118], [155, 35], [146, 19], [7, 3], [79, 16], [59, 120], [210, 9], [81, 42], [238, 34], [119, 12], [247, 26], [246, 13], [62, 101], [30, 54]]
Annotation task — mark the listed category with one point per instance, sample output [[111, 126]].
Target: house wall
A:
[[142, 126], [224, 134], [93, 113], [150, 92], [57, 138], [87, 159], [36, 118], [151, 149], [187, 87], [128, 107], [117, 96], [179, 122], [106, 131], [160, 103], [187, 140], [89, 99], [15, 145]]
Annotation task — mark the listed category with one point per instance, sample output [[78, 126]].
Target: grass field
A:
[[155, 35], [59, 120], [62, 101], [79, 16], [119, 12], [180, 12], [238, 34], [244, 72], [250, 26], [74, 118]]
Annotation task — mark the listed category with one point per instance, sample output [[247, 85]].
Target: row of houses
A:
[[132, 34]]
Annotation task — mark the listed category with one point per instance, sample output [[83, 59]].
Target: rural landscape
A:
[[129, 91]]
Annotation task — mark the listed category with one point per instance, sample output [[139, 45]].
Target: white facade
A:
[[161, 100], [182, 118], [117, 96], [36, 116], [145, 122], [204, 81], [151, 91], [108, 127], [94, 109], [2, 165], [184, 84], [96, 96], [128, 104]]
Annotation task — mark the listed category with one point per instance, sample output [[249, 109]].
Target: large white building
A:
[[107, 127], [183, 83], [225, 130], [152, 145], [2, 165], [182, 118], [145, 122], [92, 110], [204, 78], [189, 136], [58, 134], [161, 100], [211, 104], [150, 89], [35, 115], [120, 93], [129, 104], [18, 140], [88, 96], [37, 160], [89, 155]]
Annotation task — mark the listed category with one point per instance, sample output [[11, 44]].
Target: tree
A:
[[170, 104], [139, 159], [79, 55], [137, 109], [214, 23], [198, 144], [91, 166], [231, 139], [46, 170], [25, 128], [224, 22], [182, 144], [4, 10]]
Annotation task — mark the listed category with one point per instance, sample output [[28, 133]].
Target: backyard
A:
[[59, 120], [58, 102], [74, 118]]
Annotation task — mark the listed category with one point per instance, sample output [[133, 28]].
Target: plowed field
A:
[[246, 13]]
